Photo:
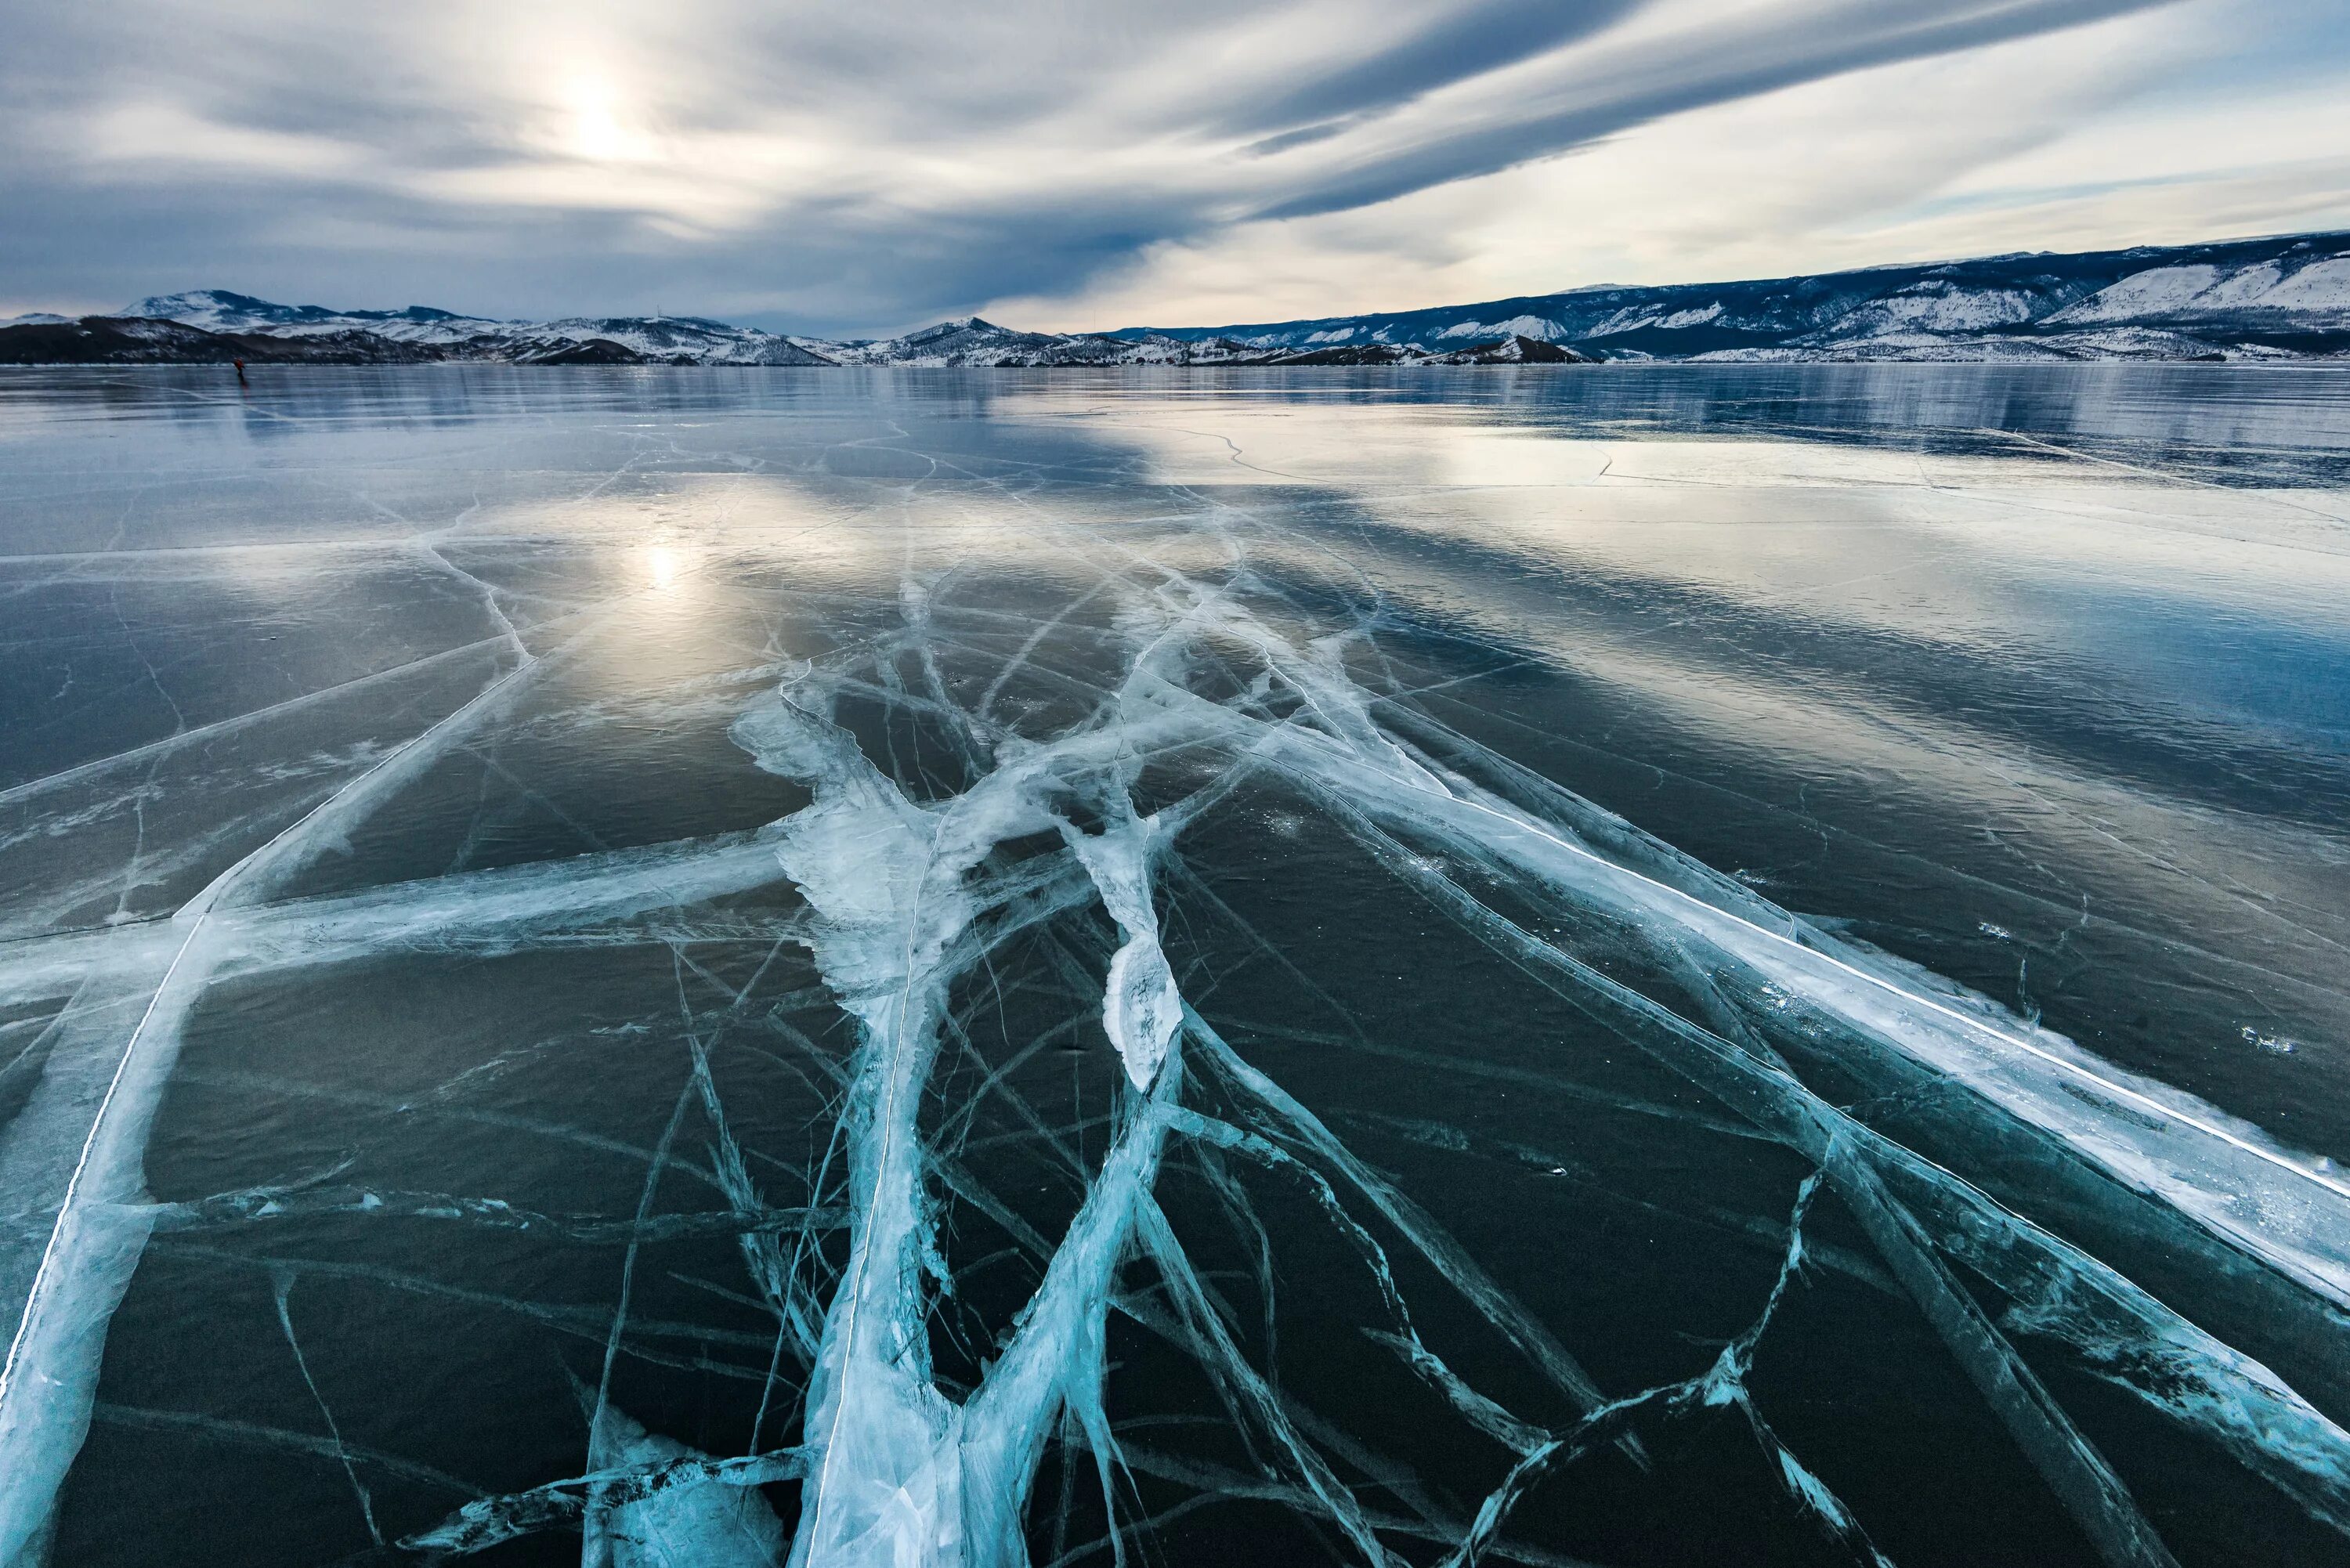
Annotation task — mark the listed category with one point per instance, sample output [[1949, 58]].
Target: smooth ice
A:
[[990, 970]]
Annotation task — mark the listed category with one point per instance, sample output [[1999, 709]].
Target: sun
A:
[[597, 133]]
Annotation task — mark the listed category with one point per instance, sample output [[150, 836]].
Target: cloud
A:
[[1453, 46], [870, 167], [1617, 85], [2052, 143]]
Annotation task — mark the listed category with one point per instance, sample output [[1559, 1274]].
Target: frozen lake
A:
[[1643, 967]]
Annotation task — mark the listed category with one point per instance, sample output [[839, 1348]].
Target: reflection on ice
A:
[[1065, 1257]]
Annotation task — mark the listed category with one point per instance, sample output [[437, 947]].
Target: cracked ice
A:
[[926, 1167]]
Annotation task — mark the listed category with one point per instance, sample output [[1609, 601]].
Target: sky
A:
[[870, 167]]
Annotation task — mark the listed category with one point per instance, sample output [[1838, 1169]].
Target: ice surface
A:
[[1064, 999]]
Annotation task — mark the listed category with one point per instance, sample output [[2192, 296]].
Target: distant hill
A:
[[215, 326], [2283, 299], [427, 333], [2280, 297]]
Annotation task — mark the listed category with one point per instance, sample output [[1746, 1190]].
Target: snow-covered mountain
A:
[[662, 339], [216, 326], [2235, 299], [2269, 298], [972, 341], [219, 310]]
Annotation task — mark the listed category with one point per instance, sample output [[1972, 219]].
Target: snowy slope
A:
[[965, 342], [2263, 298], [2241, 298], [220, 310], [2315, 295], [653, 340], [970, 341]]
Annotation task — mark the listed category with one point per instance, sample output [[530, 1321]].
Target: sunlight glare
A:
[[597, 134]]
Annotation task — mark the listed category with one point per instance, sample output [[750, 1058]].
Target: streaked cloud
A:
[[868, 167]]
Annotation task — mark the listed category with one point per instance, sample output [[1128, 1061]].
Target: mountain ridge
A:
[[2280, 297]]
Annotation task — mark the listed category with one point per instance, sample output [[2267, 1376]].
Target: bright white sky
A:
[[871, 167]]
